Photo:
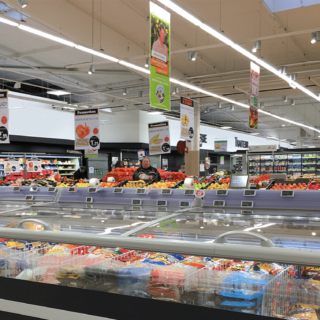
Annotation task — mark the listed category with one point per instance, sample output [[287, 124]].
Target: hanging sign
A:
[[34, 166], [87, 130], [263, 148], [254, 96], [11, 166], [159, 57], [186, 118], [91, 153], [159, 138], [220, 145], [141, 153], [4, 117]]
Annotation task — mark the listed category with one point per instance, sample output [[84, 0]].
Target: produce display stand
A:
[[286, 182]]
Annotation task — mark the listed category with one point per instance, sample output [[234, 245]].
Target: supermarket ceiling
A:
[[120, 28]]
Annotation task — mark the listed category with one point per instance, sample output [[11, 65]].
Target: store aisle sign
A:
[[4, 117], [159, 57], [159, 138], [91, 153], [263, 148], [87, 129], [220, 145], [34, 166], [186, 118], [11, 166], [141, 153], [254, 95]]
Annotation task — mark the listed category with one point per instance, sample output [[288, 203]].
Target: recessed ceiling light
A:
[[201, 227], [283, 125], [313, 233], [225, 127], [58, 92]]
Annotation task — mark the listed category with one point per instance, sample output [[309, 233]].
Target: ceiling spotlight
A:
[[125, 91], [313, 37], [283, 125], [293, 102], [23, 3], [261, 105], [313, 233], [17, 85], [257, 46], [192, 55], [147, 63], [284, 98], [206, 110], [175, 90], [92, 69], [283, 70], [219, 105], [140, 94], [293, 76], [232, 108]]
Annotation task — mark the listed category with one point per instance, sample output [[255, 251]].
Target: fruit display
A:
[[163, 185], [294, 186], [218, 186], [314, 186], [196, 186], [134, 184], [120, 174], [265, 177]]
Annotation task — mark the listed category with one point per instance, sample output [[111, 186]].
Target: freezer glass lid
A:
[[94, 221], [283, 231]]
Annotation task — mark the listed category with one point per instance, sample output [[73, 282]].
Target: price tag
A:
[[16, 188], [34, 189], [161, 203], [141, 191], [137, 202], [200, 193], [89, 199], [247, 204], [219, 211], [218, 203], [29, 198], [249, 193], [247, 212], [184, 203], [72, 189], [221, 192], [287, 193], [166, 191], [189, 192], [137, 208], [92, 190], [117, 190], [52, 189]]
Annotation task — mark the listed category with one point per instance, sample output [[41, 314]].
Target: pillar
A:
[[192, 157]]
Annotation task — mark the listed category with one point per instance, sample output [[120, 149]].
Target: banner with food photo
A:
[[34, 166], [4, 116], [186, 118], [87, 129], [254, 96], [220, 145], [11, 166], [159, 138], [159, 57]]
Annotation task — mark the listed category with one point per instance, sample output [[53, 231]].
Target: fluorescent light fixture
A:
[[11, 23], [313, 38], [181, 12], [58, 92], [294, 142], [254, 133], [97, 53], [172, 118], [260, 226], [105, 110], [273, 138], [46, 35], [225, 128], [133, 66], [283, 140], [155, 112], [312, 146], [71, 108]]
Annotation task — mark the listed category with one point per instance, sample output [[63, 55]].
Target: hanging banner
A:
[[11, 166], [220, 145], [141, 153], [34, 166], [4, 117], [263, 148], [159, 57], [87, 130], [91, 153], [159, 138], [254, 96], [186, 118]]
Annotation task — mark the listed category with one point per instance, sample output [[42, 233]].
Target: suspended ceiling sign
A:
[[263, 148]]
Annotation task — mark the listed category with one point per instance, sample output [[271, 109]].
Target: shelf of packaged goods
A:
[[309, 164], [309, 158]]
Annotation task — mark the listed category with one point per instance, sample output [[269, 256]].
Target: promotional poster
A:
[[186, 118], [159, 138], [4, 117], [254, 96]]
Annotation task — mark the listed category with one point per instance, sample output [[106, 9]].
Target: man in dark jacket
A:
[[80, 173], [146, 172]]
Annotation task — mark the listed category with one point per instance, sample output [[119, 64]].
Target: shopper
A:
[[119, 164], [80, 173], [146, 172]]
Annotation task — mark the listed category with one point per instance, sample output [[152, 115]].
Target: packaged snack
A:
[[311, 273]]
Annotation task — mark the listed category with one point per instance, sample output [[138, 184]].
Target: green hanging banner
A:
[[159, 57]]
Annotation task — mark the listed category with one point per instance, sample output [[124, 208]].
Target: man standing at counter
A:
[[146, 172]]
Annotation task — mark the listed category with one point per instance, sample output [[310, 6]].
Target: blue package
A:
[[241, 294], [247, 304], [244, 278]]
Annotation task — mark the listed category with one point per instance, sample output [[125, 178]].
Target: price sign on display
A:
[[11, 166], [200, 193], [34, 166]]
